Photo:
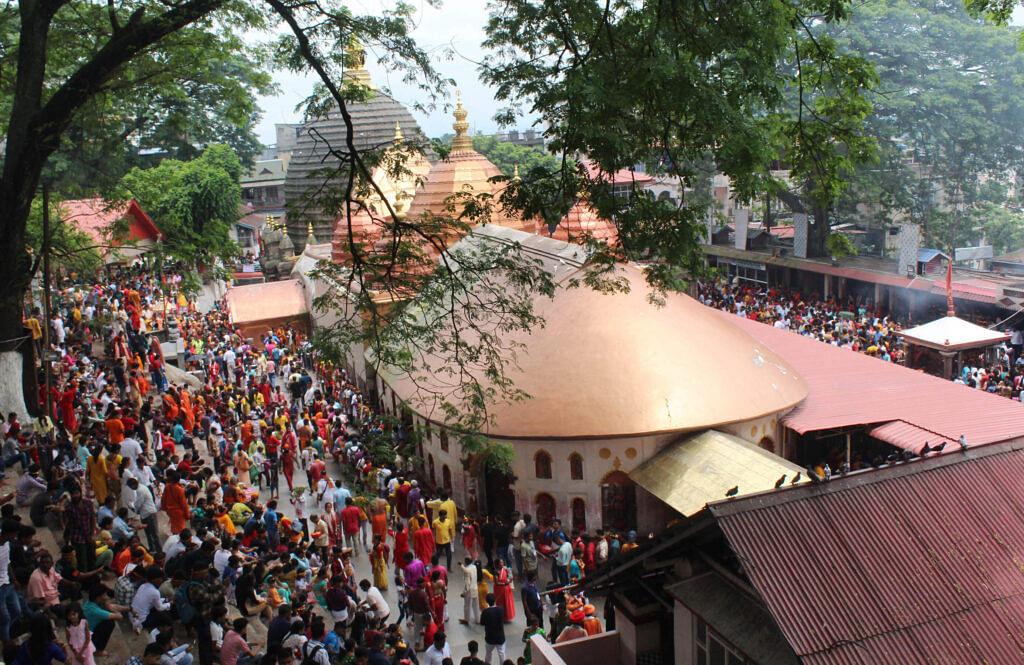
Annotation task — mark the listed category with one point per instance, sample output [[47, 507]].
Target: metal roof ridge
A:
[[791, 493]]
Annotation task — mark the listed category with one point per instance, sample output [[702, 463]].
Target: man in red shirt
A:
[[350, 517], [402, 498], [316, 470]]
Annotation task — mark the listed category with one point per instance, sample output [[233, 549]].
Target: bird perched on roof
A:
[[733, 492], [781, 481], [927, 449], [938, 448], [795, 479], [844, 468], [963, 443], [828, 472]]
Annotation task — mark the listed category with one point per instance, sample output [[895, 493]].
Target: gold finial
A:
[[462, 141], [355, 69], [515, 174], [310, 238], [398, 132]]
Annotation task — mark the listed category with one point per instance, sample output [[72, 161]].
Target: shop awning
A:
[[701, 468]]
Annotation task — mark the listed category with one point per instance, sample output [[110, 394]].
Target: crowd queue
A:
[[172, 522], [855, 323]]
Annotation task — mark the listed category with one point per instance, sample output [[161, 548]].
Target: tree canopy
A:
[[947, 114], [195, 204], [172, 101], [671, 85], [507, 156]]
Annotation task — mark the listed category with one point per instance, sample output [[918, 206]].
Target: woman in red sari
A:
[[287, 462], [503, 591], [436, 592], [67, 409], [401, 536]]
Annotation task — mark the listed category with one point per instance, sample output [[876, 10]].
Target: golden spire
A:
[[355, 64], [398, 132], [515, 175], [462, 141], [310, 239]]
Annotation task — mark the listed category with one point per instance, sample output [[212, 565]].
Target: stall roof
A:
[[265, 302], [924, 255], [700, 468], [951, 333]]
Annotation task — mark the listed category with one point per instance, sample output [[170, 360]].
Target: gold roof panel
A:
[[699, 469]]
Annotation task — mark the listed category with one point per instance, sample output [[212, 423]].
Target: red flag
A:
[[949, 289]]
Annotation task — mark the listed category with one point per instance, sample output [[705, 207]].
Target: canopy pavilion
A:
[[944, 341]]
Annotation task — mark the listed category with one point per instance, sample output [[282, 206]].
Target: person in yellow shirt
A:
[[444, 531], [446, 504], [224, 520]]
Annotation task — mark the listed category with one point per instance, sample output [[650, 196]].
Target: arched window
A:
[[545, 509], [579, 514], [542, 464], [767, 443], [444, 440], [430, 468], [576, 466], [446, 478]]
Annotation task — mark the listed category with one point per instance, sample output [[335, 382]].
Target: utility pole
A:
[[48, 400]]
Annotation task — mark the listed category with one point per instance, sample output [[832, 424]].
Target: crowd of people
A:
[[162, 490], [855, 323]]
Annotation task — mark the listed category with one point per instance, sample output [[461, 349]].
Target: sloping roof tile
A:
[[915, 563]]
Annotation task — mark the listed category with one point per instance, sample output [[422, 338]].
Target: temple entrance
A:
[[618, 501], [488, 491], [501, 500]]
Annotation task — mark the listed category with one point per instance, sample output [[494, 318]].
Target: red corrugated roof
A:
[[905, 435], [847, 388], [915, 563], [95, 217]]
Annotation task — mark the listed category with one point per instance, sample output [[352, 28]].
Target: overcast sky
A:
[[458, 25]]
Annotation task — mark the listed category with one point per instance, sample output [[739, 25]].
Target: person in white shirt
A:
[[148, 608], [145, 507], [175, 543], [470, 598], [373, 596], [131, 449], [314, 650], [220, 560], [58, 329], [437, 652]]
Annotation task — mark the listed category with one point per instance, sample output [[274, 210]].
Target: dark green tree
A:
[[671, 86], [507, 156], [947, 114], [195, 204], [168, 102]]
